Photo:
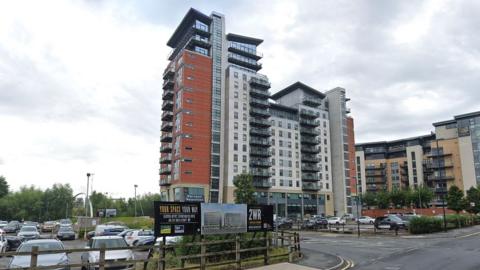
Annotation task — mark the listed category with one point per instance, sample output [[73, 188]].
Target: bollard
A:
[[101, 260], [237, 252], [267, 246], [203, 251], [34, 257]]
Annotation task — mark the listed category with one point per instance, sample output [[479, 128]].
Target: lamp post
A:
[[135, 186], [86, 196]]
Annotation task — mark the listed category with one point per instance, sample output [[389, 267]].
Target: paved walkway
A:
[[284, 266]]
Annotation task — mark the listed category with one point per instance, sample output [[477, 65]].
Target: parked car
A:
[[114, 255], [336, 221], [391, 222], [3, 242], [58, 259], [90, 234], [48, 226], [28, 233], [122, 234], [309, 224], [13, 242], [105, 230], [65, 233], [132, 237], [31, 223], [321, 222], [348, 217], [283, 223], [3, 224], [366, 220], [12, 227]]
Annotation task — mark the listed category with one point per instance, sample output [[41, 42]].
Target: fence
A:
[[288, 240]]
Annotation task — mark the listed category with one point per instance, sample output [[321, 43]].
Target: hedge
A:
[[425, 224]]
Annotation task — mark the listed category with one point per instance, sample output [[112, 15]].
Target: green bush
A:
[[458, 221], [425, 224]]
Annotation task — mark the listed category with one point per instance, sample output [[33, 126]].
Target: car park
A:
[[28, 233], [65, 233], [13, 242], [12, 227], [336, 221], [48, 226], [133, 236], [366, 220], [31, 223], [57, 259], [110, 255], [3, 223]]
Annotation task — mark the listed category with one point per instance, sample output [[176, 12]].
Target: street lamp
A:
[[86, 196], [135, 186]]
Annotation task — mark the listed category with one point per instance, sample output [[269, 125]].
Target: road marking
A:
[[468, 235]]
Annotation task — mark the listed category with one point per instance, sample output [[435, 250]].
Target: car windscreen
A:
[[65, 229], [144, 233], [28, 229], [27, 247], [109, 243]]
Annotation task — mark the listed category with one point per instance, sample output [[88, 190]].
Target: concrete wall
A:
[[467, 167]]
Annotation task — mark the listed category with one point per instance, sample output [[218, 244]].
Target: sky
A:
[[81, 81]]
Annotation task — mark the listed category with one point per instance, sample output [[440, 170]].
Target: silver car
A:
[[58, 259], [28, 233], [112, 256]]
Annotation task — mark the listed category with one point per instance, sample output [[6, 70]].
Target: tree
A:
[[455, 199], [3, 186], [473, 196], [398, 198], [383, 199], [244, 189], [58, 202]]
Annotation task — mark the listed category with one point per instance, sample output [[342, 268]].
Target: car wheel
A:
[[371, 222], [135, 243]]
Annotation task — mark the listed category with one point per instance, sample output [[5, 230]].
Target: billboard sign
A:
[[223, 218], [260, 218], [176, 218]]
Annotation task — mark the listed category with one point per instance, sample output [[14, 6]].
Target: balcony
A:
[[260, 163], [261, 183], [308, 122], [310, 186], [165, 180], [441, 190], [438, 155], [263, 132], [260, 173], [381, 180], [308, 113], [310, 149], [309, 131], [260, 83], [259, 93], [310, 167], [166, 159], [196, 40], [166, 148], [262, 103], [309, 140], [167, 126], [261, 142], [375, 167], [347, 110], [259, 112], [167, 105], [167, 94], [375, 173], [165, 170], [315, 102], [259, 122], [310, 158], [166, 137], [245, 51], [169, 72], [168, 84], [440, 177], [167, 116], [244, 62], [438, 165], [261, 152], [310, 177]]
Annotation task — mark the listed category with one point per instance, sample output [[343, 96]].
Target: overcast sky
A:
[[80, 82]]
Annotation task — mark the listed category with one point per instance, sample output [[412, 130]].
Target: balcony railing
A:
[[310, 177], [165, 170], [169, 72], [259, 93], [166, 137], [440, 177], [167, 116], [259, 122], [260, 163], [310, 167], [168, 83], [261, 183], [165, 159], [165, 180], [263, 142], [259, 112], [262, 152], [308, 113], [167, 94], [167, 105], [309, 122], [438, 165], [310, 186], [312, 101], [260, 132], [309, 140], [167, 126], [245, 51], [310, 158], [263, 103], [375, 167], [260, 173], [309, 131], [166, 148], [310, 149], [260, 83], [375, 173]]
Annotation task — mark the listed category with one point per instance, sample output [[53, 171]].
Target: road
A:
[[459, 249]]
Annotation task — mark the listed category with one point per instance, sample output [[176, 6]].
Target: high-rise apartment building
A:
[[220, 120], [450, 156]]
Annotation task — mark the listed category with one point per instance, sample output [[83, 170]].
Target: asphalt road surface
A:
[[455, 250]]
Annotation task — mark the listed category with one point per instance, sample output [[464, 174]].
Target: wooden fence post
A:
[[290, 254], [160, 264], [203, 251], [34, 257], [237, 252], [101, 260], [281, 240], [267, 247]]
